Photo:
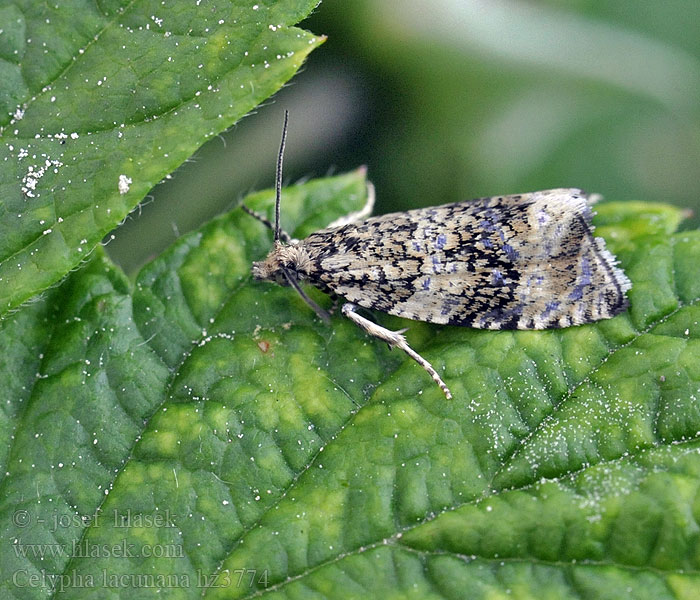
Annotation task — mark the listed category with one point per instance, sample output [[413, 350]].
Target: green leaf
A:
[[219, 427], [99, 102]]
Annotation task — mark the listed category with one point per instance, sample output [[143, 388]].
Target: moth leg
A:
[[394, 339], [284, 236], [359, 215], [322, 314]]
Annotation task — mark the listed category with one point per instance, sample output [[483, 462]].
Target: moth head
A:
[[283, 261], [287, 265], [271, 268]]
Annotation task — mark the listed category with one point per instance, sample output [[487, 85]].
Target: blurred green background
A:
[[463, 98]]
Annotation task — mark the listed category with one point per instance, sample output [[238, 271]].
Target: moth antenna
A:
[[278, 178], [317, 309], [284, 236]]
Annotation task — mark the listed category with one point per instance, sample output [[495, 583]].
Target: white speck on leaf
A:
[[124, 184]]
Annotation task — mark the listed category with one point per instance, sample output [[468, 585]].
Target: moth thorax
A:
[[290, 257]]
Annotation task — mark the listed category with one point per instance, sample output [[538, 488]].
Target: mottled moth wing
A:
[[527, 261]]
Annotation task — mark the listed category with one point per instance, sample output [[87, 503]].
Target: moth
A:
[[525, 261]]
